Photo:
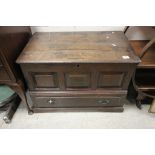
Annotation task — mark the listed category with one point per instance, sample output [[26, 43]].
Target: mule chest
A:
[[77, 71]]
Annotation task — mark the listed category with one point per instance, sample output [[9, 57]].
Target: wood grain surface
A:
[[86, 47]]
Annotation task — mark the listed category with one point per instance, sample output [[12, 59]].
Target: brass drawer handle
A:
[[103, 101], [51, 101]]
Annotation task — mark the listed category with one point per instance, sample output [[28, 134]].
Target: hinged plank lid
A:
[[78, 47]]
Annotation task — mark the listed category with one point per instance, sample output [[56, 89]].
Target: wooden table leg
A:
[[19, 89], [13, 105], [139, 99]]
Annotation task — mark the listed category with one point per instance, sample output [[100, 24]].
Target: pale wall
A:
[[134, 33], [75, 28]]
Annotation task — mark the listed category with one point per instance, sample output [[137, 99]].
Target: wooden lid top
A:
[[78, 47]]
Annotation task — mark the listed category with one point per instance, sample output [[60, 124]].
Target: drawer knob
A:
[[51, 101], [103, 101]]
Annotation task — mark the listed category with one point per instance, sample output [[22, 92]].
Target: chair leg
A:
[[11, 110], [19, 89], [139, 104], [139, 98], [125, 29]]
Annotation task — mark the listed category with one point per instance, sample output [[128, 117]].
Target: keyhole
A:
[[77, 65]]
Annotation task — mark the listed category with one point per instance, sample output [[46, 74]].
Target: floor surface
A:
[[130, 118]]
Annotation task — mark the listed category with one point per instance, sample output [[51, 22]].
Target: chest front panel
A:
[[77, 76]]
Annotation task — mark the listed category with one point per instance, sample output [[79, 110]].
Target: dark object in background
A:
[[144, 77], [143, 81], [13, 105], [12, 41], [132, 93], [9, 102]]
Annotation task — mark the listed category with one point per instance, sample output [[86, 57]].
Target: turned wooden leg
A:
[[20, 90], [13, 105], [139, 99], [139, 104]]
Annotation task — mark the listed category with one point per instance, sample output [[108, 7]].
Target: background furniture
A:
[[144, 77], [12, 41], [77, 70], [9, 102]]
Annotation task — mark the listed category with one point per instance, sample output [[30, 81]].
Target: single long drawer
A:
[[45, 101]]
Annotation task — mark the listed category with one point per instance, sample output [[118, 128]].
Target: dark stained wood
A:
[[144, 79], [78, 47], [91, 70], [77, 80], [86, 109], [12, 41], [113, 79], [78, 70], [148, 61], [45, 80], [11, 109], [62, 102], [4, 75], [1, 63], [95, 100]]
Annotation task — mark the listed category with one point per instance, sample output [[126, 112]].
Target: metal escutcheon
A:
[[51, 101], [103, 101]]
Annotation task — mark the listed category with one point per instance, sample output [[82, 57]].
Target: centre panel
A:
[[110, 79], [77, 80]]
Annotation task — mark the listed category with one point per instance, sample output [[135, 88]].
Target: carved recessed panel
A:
[[110, 79], [45, 80], [77, 80]]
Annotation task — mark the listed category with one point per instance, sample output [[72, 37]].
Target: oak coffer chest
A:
[[77, 70]]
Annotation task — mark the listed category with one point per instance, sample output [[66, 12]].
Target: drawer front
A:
[[77, 76], [70, 101]]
